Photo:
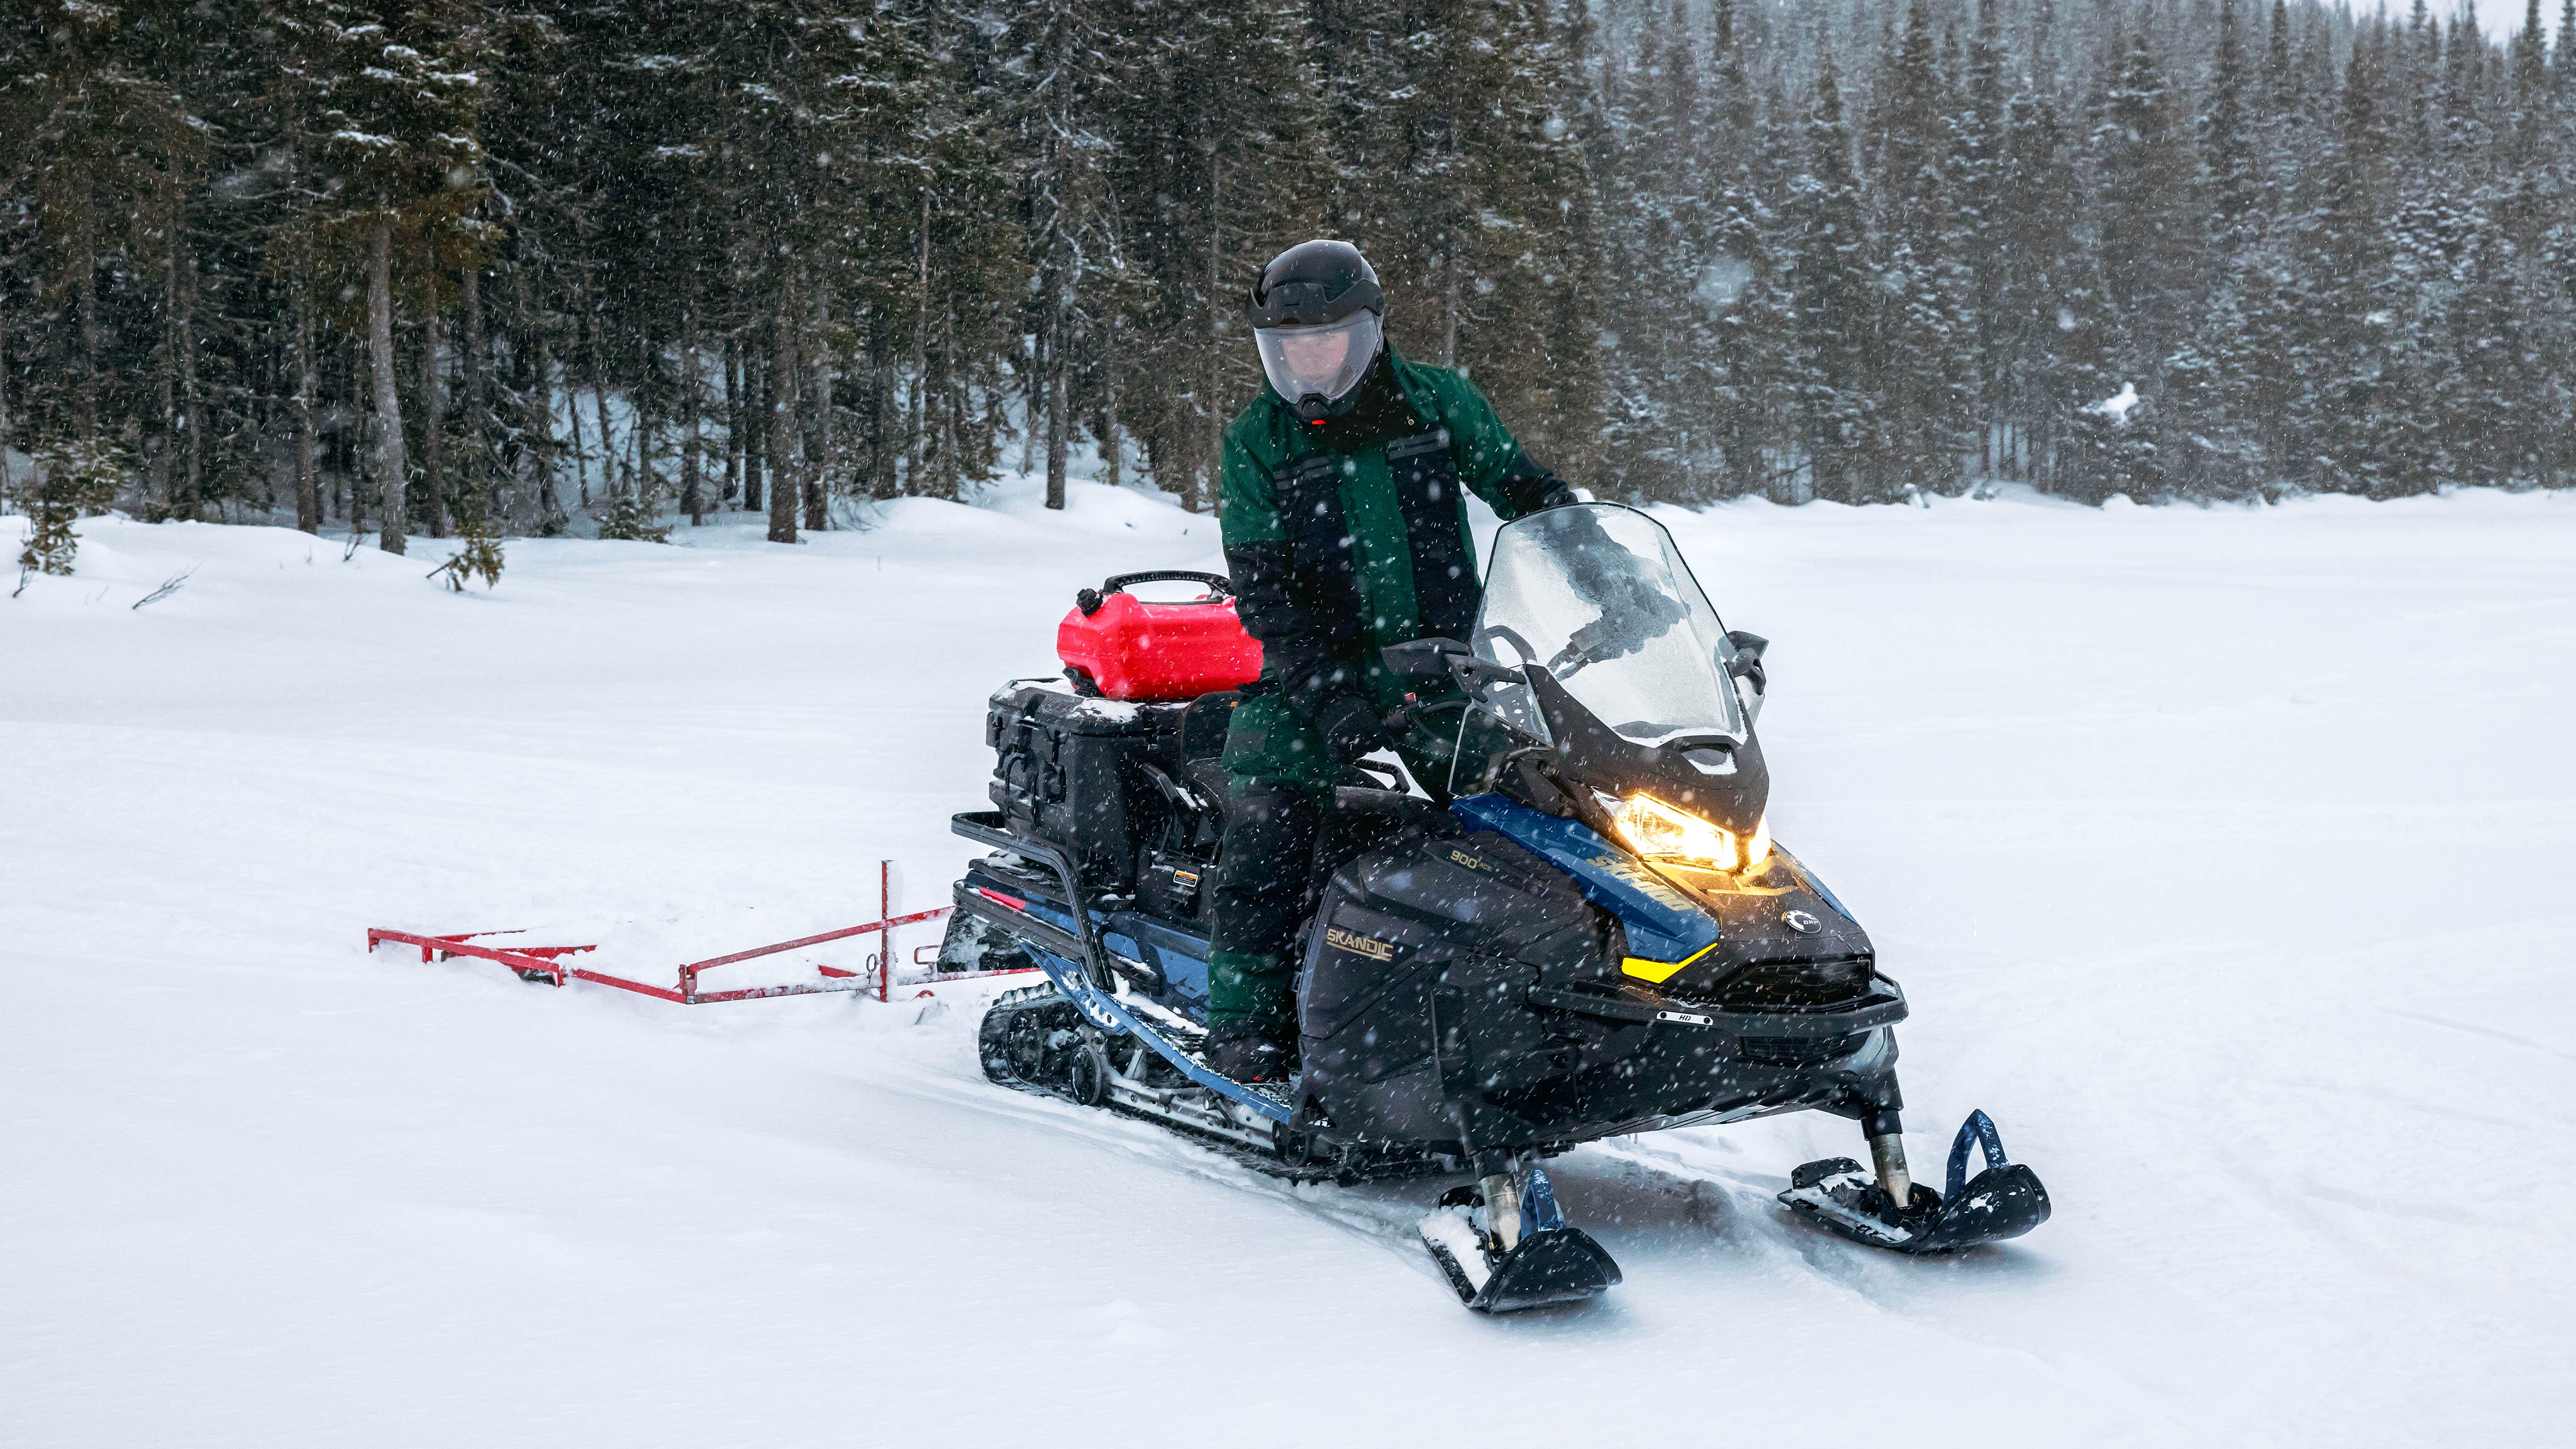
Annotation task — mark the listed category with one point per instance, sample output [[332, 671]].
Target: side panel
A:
[[1417, 970]]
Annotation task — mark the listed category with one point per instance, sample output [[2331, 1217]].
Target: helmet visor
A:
[[1324, 361]]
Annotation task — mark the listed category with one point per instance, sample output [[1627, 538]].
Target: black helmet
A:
[[1313, 283], [1315, 315]]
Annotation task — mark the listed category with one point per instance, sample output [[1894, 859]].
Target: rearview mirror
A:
[[1746, 667]]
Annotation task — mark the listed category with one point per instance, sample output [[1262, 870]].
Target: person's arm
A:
[[1276, 606], [1491, 462]]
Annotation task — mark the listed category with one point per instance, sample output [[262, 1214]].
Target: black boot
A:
[[1249, 1052]]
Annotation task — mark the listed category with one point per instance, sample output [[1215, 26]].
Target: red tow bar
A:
[[545, 963]]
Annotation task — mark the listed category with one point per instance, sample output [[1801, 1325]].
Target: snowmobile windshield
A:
[[1597, 595], [1323, 362]]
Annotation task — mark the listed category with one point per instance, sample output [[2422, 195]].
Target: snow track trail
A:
[[2223, 854]]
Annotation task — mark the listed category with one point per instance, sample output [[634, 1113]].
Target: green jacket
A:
[[1338, 553], [1348, 537]]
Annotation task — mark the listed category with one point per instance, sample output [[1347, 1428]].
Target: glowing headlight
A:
[[1667, 832]]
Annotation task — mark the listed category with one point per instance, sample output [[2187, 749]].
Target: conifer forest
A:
[[470, 268]]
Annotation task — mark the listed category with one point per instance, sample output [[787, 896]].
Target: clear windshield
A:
[[1598, 595]]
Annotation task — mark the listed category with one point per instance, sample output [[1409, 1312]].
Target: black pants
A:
[[1263, 873]]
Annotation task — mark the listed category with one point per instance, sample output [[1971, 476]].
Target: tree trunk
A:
[[755, 421], [609, 479], [693, 498], [308, 490], [380, 354], [85, 281], [433, 421], [160, 475], [1449, 311], [475, 439], [1056, 392], [1109, 460], [782, 415], [1032, 397], [952, 404], [5, 477], [733, 419], [642, 426], [818, 416], [881, 449], [346, 438], [912, 482], [192, 403], [1202, 485], [537, 402]]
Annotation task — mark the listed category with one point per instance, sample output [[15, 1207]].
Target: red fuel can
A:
[[1130, 649]]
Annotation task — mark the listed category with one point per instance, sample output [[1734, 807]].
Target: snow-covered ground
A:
[[2226, 856]]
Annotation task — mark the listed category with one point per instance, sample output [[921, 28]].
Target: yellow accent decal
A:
[[1659, 972]]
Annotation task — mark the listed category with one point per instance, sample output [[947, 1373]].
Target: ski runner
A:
[[1345, 527]]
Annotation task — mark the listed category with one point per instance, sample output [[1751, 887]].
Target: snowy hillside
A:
[[2225, 855]]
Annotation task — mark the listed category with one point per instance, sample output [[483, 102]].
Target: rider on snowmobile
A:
[[1345, 530]]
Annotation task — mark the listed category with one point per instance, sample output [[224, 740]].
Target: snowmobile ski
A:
[[2005, 1200], [1549, 1263]]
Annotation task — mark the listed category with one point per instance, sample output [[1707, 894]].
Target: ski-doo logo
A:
[[1359, 945]]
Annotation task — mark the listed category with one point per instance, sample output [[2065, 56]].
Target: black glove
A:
[[1308, 682], [1351, 727], [1529, 487]]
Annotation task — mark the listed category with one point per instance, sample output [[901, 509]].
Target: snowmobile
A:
[[1584, 930]]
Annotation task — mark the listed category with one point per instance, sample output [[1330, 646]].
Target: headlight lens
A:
[[1660, 831]]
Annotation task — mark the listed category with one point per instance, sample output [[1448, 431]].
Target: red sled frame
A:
[[545, 963]]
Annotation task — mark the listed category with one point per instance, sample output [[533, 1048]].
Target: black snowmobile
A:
[[1584, 931]]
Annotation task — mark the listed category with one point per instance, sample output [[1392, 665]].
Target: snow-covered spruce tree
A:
[[480, 556], [1074, 68], [1925, 400], [1973, 175], [101, 154], [1740, 291], [2345, 355], [2148, 233], [73, 478], [782, 74], [1656, 429], [1833, 373], [393, 103], [2207, 377], [1460, 171], [1220, 159], [536, 133]]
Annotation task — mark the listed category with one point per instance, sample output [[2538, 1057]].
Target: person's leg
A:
[[1270, 832], [1279, 786]]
